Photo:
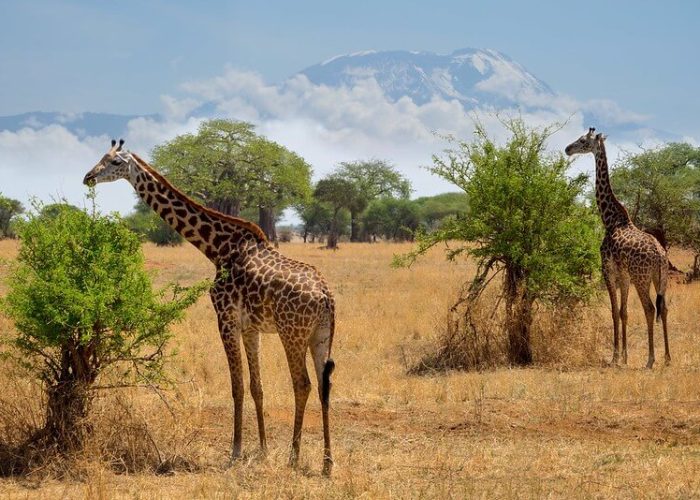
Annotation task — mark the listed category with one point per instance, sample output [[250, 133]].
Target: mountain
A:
[[477, 78], [472, 76]]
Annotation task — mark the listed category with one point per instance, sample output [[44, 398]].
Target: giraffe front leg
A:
[[612, 292], [230, 335], [251, 341], [624, 294]]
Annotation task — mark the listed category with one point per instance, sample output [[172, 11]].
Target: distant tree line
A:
[[227, 166], [10, 209]]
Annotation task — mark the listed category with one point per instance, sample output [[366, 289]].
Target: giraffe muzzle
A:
[[89, 179]]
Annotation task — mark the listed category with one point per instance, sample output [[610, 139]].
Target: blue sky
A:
[[635, 61], [122, 56]]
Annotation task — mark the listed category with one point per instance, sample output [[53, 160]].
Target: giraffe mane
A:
[[245, 224]]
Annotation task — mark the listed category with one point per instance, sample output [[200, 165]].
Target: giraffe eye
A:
[[116, 162]]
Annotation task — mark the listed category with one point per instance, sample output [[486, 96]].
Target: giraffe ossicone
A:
[[628, 254], [256, 290]]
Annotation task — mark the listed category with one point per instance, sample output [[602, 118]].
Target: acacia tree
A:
[[9, 210], [229, 168], [523, 221], [339, 194], [211, 165], [84, 309], [372, 179], [281, 178], [393, 219], [315, 217]]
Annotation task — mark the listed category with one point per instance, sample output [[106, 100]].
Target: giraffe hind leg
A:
[[662, 313], [296, 359], [649, 312], [324, 366]]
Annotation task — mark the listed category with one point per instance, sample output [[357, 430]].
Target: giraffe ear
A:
[[601, 137]]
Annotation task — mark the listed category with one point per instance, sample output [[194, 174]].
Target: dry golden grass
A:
[[565, 429]]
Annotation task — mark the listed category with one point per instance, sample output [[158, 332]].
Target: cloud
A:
[[325, 125]]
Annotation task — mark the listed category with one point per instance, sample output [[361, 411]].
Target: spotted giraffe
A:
[[628, 254], [256, 290]]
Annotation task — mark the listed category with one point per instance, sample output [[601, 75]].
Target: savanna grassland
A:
[[571, 427]]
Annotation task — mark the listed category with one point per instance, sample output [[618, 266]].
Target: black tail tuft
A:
[[660, 306], [326, 389]]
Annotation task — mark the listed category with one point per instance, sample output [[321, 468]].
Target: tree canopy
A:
[[9, 210], [372, 179], [228, 167]]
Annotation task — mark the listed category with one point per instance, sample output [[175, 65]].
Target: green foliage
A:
[[392, 219], [151, 227], [229, 168], [433, 209], [339, 195], [9, 210], [523, 212], [315, 217], [660, 189], [373, 179], [82, 302]]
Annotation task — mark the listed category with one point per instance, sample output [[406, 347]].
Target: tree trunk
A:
[[266, 220], [354, 227], [68, 399], [226, 206], [332, 242], [518, 316]]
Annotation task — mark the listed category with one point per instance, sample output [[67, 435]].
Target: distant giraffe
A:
[[256, 290], [628, 254]]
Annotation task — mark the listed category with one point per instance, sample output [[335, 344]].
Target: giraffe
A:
[[256, 290], [628, 254]]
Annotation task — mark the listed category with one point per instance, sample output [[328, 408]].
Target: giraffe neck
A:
[[216, 235], [613, 213]]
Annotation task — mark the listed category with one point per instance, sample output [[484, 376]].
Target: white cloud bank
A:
[[325, 125]]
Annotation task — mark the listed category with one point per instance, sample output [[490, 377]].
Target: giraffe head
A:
[[114, 165], [587, 143]]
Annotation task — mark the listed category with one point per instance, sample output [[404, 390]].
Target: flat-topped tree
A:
[[256, 290], [228, 167]]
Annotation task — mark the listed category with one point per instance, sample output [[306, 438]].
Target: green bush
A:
[[84, 309], [150, 227]]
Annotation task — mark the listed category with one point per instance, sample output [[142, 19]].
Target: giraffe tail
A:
[[326, 389], [660, 306], [330, 364]]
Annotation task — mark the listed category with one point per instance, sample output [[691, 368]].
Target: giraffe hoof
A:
[[650, 364], [667, 362], [327, 466]]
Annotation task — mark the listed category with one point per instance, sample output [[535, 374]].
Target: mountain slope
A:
[[472, 76]]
